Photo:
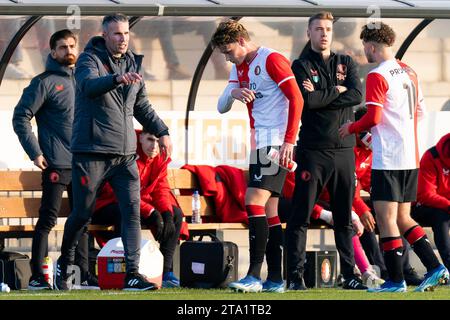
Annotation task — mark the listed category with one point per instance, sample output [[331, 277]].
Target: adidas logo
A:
[[133, 282]]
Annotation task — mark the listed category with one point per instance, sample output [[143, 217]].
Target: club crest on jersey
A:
[[315, 75], [341, 72], [305, 175], [257, 70]]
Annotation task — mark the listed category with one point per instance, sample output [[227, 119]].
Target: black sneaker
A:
[[88, 282], [353, 283], [295, 281], [62, 281], [137, 282], [297, 285], [412, 278], [39, 283]]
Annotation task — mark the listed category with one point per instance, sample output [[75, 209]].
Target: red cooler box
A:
[[111, 264]]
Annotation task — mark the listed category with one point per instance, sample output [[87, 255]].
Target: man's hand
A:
[[165, 145], [368, 221], [169, 226], [155, 221], [344, 130], [129, 78], [358, 226], [40, 162], [243, 94], [307, 84], [286, 153], [341, 89]]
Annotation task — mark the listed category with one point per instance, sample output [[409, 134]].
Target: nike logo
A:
[[257, 178]]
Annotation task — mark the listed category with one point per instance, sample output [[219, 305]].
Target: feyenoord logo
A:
[[257, 70], [306, 175], [325, 270], [54, 177]]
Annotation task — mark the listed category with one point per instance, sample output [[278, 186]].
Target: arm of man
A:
[[427, 185], [89, 80], [376, 88], [317, 99], [226, 99], [353, 95], [279, 70], [32, 99]]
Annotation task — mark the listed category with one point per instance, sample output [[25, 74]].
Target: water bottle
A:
[[47, 270], [196, 218], [4, 287], [274, 156]]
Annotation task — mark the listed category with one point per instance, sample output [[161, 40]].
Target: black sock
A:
[[274, 253], [393, 257], [258, 230], [422, 247]]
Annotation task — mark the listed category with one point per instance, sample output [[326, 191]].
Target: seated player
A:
[[159, 208]]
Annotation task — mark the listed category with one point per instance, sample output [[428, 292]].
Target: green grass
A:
[[441, 293]]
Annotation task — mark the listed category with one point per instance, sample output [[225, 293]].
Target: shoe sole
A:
[[384, 291], [274, 291], [443, 279], [38, 288], [246, 290], [169, 285], [143, 289], [77, 287]]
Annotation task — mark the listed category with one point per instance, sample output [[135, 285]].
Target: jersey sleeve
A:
[[281, 73], [278, 68], [376, 89], [233, 75]]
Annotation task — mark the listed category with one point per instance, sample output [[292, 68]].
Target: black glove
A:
[[169, 226], [155, 221]]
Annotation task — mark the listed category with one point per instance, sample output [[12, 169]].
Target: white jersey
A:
[[269, 111], [394, 86]]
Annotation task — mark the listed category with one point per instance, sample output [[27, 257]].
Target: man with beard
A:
[[50, 98]]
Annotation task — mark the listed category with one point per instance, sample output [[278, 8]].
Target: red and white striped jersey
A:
[[269, 111], [394, 86]]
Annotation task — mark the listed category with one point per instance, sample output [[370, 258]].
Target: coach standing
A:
[[109, 92], [330, 87]]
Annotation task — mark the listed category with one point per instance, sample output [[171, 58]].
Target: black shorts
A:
[[394, 185], [264, 174]]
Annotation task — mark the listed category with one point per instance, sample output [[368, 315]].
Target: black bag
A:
[[15, 270], [208, 264]]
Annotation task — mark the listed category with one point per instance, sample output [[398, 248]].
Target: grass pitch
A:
[[441, 293]]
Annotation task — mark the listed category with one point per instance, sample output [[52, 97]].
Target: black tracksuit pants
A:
[[335, 170], [89, 173], [439, 220], [54, 183]]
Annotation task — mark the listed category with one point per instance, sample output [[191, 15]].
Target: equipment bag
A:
[[15, 270], [208, 264]]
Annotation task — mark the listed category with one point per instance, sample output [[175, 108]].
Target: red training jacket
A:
[[434, 176]]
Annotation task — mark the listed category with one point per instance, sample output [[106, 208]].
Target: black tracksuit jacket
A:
[[325, 110]]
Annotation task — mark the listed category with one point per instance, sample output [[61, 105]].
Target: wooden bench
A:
[[20, 197]]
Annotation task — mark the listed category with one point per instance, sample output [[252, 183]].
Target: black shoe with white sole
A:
[[63, 281], [137, 282], [39, 283], [353, 283]]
